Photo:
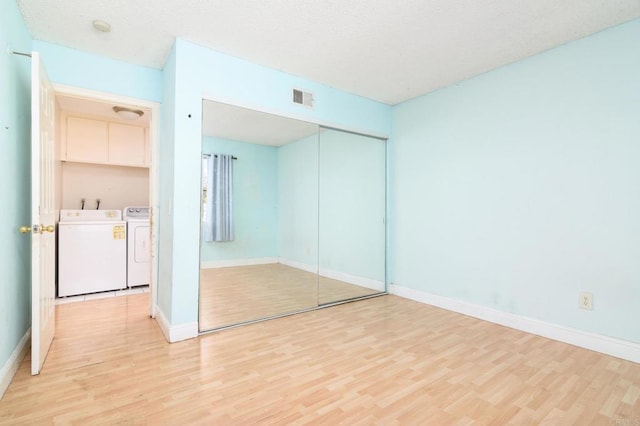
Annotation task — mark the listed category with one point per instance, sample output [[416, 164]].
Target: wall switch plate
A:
[[586, 301]]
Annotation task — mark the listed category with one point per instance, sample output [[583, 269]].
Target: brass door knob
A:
[[37, 229]]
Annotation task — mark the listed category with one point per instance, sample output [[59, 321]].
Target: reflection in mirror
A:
[[294, 208], [269, 267], [352, 207]]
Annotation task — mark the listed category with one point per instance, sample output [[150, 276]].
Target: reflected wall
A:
[[298, 203], [255, 197]]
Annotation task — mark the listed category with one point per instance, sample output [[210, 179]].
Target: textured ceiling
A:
[[387, 50]]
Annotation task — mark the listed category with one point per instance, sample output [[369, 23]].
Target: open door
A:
[[42, 214]]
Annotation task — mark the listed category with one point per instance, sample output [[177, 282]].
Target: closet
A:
[[309, 224]]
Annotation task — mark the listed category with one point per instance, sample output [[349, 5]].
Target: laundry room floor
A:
[[102, 295]]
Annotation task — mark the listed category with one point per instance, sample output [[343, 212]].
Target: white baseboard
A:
[[175, 333], [209, 264], [13, 363], [298, 265], [592, 341], [353, 279]]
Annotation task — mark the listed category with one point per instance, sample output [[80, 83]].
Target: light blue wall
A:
[[15, 121], [352, 193], [298, 201], [255, 201], [228, 79], [518, 189], [81, 69], [203, 73], [166, 188]]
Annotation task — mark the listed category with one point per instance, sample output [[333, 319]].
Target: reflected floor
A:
[[245, 293]]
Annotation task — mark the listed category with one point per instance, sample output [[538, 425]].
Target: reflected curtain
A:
[[218, 225]]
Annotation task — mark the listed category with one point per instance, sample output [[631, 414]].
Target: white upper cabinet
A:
[[90, 140], [87, 140], [127, 145]]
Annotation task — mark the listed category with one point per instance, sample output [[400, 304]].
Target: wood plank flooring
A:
[[246, 293], [385, 360]]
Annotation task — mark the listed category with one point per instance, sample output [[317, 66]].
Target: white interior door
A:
[[42, 214]]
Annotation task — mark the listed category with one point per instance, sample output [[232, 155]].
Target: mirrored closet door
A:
[[259, 239], [352, 208], [292, 216]]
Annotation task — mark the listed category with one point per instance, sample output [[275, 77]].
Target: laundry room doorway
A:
[[106, 170]]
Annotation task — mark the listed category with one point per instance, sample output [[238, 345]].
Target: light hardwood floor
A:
[[385, 360], [246, 293]]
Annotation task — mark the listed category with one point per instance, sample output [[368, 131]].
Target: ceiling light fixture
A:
[[128, 113], [101, 25]]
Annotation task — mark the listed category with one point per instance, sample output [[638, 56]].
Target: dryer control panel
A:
[[135, 212]]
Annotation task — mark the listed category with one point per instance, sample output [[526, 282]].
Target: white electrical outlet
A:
[[586, 300]]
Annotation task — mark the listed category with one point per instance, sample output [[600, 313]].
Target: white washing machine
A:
[[92, 252], [138, 246]]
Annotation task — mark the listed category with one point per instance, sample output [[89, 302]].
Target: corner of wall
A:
[[175, 333]]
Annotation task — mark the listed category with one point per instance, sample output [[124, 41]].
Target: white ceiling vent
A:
[[303, 98]]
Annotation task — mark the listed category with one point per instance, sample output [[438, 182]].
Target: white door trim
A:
[[154, 143]]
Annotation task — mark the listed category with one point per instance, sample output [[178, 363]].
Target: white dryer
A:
[[92, 252], [138, 246]]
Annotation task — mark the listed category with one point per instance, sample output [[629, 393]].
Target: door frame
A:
[[154, 144]]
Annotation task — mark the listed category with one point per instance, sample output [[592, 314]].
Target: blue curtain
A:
[[218, 224]]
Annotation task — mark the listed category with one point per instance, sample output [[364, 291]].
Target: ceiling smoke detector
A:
[[101, 25], [128, 113]]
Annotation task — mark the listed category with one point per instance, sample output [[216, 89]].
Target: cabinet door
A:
[[87, 140], [127, 145]]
